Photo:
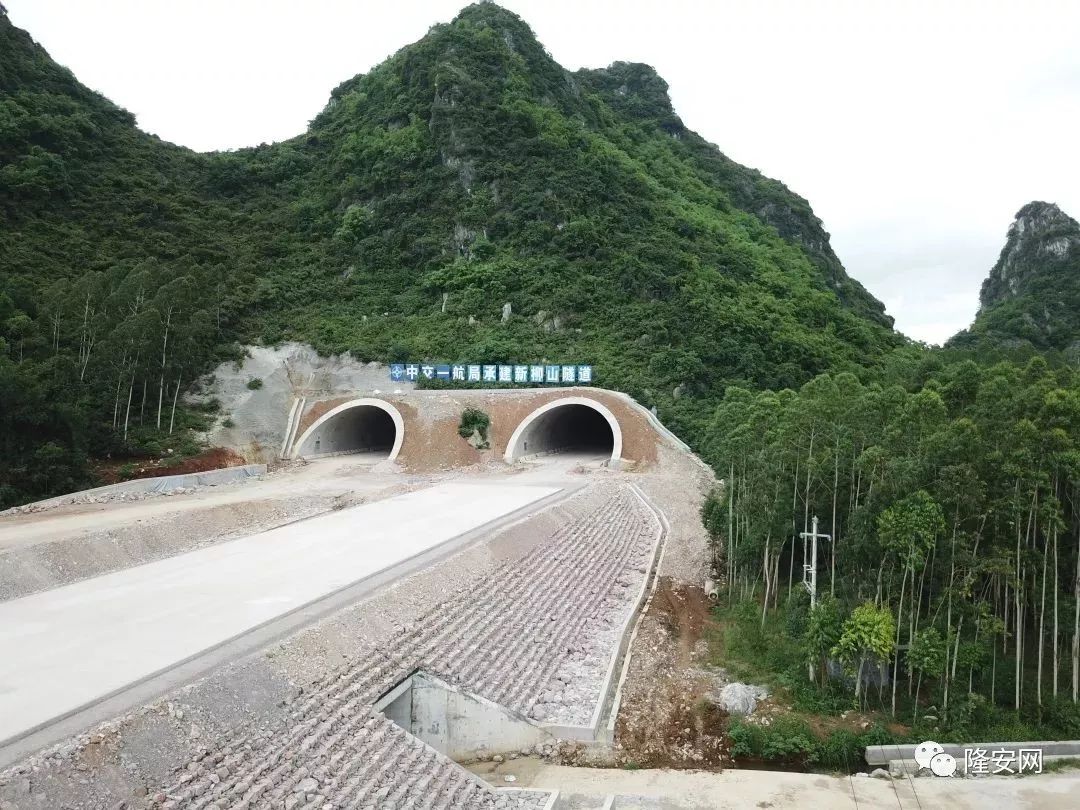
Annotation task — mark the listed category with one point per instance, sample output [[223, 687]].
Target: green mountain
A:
[[1032, 296], [466, 172]]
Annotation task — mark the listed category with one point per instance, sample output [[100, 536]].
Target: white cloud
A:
[[915, 129]]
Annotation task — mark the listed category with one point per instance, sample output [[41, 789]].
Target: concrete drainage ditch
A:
[[461, 725]]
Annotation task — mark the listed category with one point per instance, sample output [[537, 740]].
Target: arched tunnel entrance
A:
[[368, 427], [575, 425]]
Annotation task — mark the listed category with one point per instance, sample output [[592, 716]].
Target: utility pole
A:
[[810, 571]]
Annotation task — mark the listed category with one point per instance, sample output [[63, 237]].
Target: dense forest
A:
[[466, 172], [951, 491]]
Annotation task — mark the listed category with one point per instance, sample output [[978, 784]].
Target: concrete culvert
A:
[[572, 425], [371, 428]]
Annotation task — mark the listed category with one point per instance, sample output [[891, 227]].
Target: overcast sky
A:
[[916, 130]]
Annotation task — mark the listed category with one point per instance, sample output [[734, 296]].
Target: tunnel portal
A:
[[368, 428], [577, 426]]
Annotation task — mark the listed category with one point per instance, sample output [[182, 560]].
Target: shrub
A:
[[789, 738], [209, 406], [970, 712], [714, 514], [254, 384], [474, 421], [832, 697], [1063, 715], [842, 750], [878, 735], [745, 739]]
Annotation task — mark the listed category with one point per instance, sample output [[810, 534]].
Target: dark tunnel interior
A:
[[363, 429], [568, 428]]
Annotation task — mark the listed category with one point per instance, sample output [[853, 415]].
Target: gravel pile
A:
[[131, 491], [104, 497], [678, 486], [538, 639]]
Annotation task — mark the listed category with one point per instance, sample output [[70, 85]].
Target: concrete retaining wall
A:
[[453, 722]]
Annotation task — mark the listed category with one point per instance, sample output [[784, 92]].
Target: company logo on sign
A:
[[545, 373]]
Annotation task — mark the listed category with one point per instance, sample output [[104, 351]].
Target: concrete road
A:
[[65, 648], [336, 475], [589, 788]]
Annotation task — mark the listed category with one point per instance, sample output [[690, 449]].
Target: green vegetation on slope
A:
[[467, 171], [952, 494]]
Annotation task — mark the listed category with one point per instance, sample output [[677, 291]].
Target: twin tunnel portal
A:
[[375, 429]]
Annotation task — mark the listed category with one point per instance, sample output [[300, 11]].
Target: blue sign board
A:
[[521, 374]]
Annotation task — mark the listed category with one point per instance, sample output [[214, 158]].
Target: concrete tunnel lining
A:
[[566, 423], [356, 426]]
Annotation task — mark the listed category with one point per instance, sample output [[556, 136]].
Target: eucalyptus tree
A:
[[953, 492]]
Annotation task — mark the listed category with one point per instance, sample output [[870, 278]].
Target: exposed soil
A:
[[685, 612], [109, 471], [666, 720], [853, 721]]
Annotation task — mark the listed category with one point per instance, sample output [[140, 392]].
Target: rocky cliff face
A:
[[1032, 295], [1041, 237]]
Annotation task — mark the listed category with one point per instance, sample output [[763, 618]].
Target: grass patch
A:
[[791, 741], [1058, 765]]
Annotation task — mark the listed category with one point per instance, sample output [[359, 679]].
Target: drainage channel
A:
[[459, 724], [469, 728]]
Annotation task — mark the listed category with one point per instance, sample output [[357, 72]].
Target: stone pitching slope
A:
[[509, 643]]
